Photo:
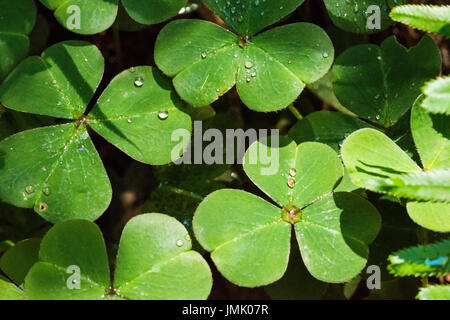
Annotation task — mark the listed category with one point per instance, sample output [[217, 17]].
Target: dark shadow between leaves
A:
[[348, 224]]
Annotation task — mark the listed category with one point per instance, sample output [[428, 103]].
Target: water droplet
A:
[[53, 81], [29, 189], [325, 55], [292, 172], [203, 55], [139, 82], [46, 191], [132, 70], [248, 64], [180, 243], [163, 115], [187, 237], [43, 206], [130, 121], [291, 183]]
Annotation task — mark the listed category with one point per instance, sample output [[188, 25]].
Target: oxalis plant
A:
[[118, 182]]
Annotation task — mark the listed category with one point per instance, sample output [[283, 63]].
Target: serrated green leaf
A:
[[61, 176], [60, 83], [354, 15], [424, 17], [151, 263], [425, 186], [382, 83], [17, 261], [129, 115], [436, 292], [16, 22], [437, 96], [206, 61], [248, 17], [427, 260]]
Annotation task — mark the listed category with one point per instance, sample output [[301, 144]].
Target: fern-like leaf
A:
[[437, 96], [426, 260], [431, 185], [437, 292], [428, 18]]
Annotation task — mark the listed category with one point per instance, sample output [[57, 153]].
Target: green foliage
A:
[[256, 230], [65, 177], [437, 96], [352, 15], [437, 292], [424, 17], [16, 22], [207, 60], [376, 163], [427, 260], [98, 15], [154, 261], [378, 83]]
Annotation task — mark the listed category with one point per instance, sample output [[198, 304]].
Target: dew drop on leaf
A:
[[292, 172], [29, 189], [180, 243], [291, 183], [139, 82], [163, 115]]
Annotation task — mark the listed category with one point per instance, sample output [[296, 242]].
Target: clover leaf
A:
[[332, 229], [98, 15], [17, 261], [376, 163], [381, 83], [57, 169], [9, 291], [154, 261], [16, 22], [269, 69], [354, 15]]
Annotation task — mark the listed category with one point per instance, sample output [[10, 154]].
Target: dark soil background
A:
[[133, 182]]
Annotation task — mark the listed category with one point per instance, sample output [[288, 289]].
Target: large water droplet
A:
[[139, 82], [291, 183], [292, 172], [163, 115], [29, 189], [180, 243]]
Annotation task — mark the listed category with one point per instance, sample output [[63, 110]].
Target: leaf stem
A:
[[295, 111], [117, 44]]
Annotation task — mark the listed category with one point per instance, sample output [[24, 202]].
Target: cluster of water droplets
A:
[[291, 179]]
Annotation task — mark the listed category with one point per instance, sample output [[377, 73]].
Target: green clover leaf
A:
[[16, 22], [98, 15], [269, 69], [57, 169], [382, 83], [437, 96], [333, 230], [355, 15], [154, 261]]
